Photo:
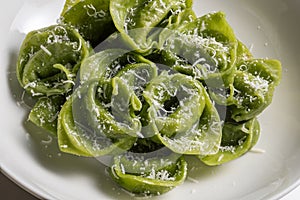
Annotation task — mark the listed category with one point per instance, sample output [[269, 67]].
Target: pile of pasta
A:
[[146, 82]]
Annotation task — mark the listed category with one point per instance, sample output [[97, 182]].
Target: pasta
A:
[[146, 82], [49, 60]]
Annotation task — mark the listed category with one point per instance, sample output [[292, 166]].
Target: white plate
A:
[[270, 27]]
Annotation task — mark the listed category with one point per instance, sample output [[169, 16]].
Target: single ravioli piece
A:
[[176, 103], [49, 59], [140, 21], [91, 123], [237, 139], [149, 174], [252, 90], [181, 116], [203, 138], [204, 48], [253, 87], [45, 112], [91, 18]]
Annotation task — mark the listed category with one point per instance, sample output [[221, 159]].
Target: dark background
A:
[[10, 191]]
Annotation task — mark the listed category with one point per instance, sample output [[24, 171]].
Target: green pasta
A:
[[138, 21], [83, 120], [45, 112], [146, 176], [237, 139], [183, 115], [49, 60], [160, 84], [91, 18], [209, 47]]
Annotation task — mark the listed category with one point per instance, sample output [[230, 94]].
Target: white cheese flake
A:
[[45, 50], [257, 150]]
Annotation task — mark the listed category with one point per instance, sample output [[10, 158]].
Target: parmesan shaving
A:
[[46, 50], [257, 150]]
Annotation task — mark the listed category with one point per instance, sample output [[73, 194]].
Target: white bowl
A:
[[31, 157]]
